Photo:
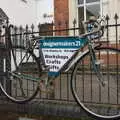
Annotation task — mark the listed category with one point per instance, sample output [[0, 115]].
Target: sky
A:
[[21, 13], [45, 7]]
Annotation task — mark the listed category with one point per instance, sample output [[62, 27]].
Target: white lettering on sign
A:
[[53, 44]]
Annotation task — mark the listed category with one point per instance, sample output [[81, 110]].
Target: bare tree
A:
[[25, 1]]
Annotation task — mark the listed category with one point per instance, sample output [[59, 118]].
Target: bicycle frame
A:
[[60, 54]]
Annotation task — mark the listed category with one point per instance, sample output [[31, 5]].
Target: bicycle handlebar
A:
[[93, 26]]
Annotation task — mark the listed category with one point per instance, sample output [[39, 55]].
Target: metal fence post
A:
[[8, 57]]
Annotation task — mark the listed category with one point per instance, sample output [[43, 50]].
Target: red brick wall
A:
[[61, 15]]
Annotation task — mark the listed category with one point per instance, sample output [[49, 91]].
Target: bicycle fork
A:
[[96, 65]]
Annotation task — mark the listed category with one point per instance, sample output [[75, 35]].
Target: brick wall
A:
[[61, 14]]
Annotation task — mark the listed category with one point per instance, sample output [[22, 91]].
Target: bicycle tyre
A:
[[18, 79], [97, 100]]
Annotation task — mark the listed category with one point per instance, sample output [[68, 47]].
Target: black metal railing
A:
[[21, 36]]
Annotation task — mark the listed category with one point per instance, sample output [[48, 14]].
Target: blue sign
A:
[[58, 50], [62, 42]]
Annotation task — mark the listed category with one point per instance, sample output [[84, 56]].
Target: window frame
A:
[[85, 4]]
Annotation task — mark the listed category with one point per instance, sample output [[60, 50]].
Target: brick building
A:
[[65, 10], [61, 13], [81, 10]]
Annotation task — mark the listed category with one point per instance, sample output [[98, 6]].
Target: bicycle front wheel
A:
[[20, 84], [101, 101]]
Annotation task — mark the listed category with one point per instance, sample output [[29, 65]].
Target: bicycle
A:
[[61, 53]]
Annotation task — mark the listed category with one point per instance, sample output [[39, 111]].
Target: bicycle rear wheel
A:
[[20, 84], [100, 101]]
